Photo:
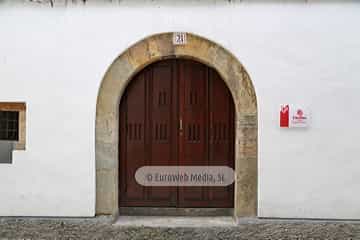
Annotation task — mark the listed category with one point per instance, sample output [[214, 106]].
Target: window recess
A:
[[12, 123]]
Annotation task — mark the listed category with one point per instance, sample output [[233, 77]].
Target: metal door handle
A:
[[180, 124]]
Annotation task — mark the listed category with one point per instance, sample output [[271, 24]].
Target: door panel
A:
[[148, 108], [161, 132], [221, 139], [193, 138], [161, 99], [132, 129]]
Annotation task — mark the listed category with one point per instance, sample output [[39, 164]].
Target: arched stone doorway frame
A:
[[120, 73]]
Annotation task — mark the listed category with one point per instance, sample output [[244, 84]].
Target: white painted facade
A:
[[300, 53]]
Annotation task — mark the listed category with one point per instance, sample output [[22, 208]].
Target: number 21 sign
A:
[[179, 38]]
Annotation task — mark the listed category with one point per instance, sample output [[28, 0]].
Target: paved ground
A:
[[104, 228]]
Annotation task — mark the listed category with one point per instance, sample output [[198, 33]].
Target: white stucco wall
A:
[[55, 58]]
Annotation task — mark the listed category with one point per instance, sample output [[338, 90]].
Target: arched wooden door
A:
[[175, 112]]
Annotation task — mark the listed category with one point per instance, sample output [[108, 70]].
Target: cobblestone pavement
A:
[[102, 228]]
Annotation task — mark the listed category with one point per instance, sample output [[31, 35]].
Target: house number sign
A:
[[179, 38]]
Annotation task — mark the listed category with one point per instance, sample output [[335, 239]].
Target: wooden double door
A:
[[175, 112]]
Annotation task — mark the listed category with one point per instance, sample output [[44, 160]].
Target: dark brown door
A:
[[175, 112]]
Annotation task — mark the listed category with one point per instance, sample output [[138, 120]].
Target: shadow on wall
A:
[[6, 148]]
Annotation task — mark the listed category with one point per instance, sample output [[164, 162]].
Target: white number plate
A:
[[179, 38]]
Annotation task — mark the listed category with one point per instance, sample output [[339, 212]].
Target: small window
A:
[[13, 124], [12, 129], [9, 125]]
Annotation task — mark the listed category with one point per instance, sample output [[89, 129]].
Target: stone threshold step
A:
[[175, 222]]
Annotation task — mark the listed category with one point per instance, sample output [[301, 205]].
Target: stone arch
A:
[[130, 62]]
